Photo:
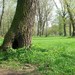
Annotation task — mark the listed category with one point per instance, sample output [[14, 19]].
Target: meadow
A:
[[51, 55]]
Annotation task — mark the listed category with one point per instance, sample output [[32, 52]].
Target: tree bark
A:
[[20, 32]]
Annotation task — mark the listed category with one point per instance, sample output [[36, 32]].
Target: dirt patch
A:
[[27, 70]]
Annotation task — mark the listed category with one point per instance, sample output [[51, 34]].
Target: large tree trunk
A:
[[19, 34]]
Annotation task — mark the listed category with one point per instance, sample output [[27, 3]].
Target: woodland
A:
[[37, 37]]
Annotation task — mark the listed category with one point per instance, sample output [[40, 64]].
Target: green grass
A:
[[52, 56]]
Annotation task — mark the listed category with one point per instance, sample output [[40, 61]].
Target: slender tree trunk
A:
[[64, 29], [38, 30], [43, 26], [20, 32], [46, 29], [60, 30], [73, 34], [70, 29], [43, 29], [39, 33], [38, 27], [64, 23]]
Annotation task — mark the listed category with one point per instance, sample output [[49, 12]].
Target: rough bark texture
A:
[[19, 34]]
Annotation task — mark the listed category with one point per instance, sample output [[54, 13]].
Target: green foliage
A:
[[52, 56]]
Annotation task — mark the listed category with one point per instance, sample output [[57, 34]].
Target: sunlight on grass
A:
[[52, 56]]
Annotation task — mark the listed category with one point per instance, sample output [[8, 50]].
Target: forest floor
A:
[[28, 69], [12, 72], [48, 56]]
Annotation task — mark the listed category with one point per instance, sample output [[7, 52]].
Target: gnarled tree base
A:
[[20, 32]]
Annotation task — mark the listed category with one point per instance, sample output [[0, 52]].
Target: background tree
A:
[[3, 7], [62, 15], [70, 13], [44, 17], [9, 10], [44, 9]]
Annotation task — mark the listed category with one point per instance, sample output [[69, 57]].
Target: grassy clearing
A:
[[52, 56]]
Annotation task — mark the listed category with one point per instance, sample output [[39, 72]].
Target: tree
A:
[[9, 11], [62, 13], [44, 10], [70, 16], [19, 34]]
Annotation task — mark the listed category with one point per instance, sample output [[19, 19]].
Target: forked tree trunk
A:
[[19, 34]]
